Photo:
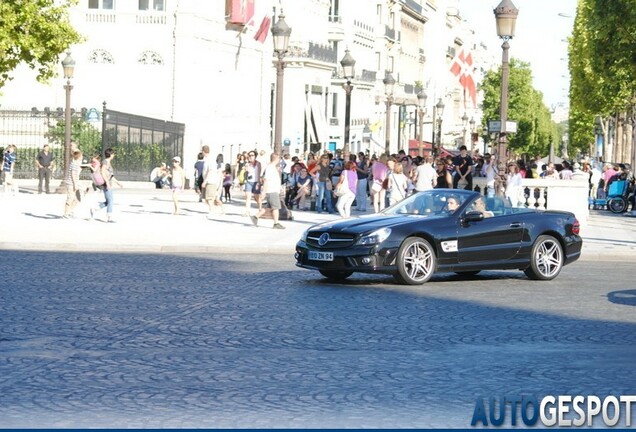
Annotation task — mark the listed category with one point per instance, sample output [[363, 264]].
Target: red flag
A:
[[462, 68], [261, 33]]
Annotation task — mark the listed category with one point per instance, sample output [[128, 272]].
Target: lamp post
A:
[[438, 112], [506, 17], [472, 131], [68, 64], [280, 32], [421, 104], [389, 83], [348, 66], [465, 124]]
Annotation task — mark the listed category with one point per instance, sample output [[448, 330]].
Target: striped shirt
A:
[[73, 172]]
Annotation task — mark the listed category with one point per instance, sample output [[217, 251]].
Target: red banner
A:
[[239, 11]]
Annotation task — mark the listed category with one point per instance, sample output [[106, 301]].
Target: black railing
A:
[[322, 52], [413, 5]]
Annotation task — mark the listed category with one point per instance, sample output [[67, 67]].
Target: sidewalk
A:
[[144, 223]]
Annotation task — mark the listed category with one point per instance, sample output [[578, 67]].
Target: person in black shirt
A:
[[44, 162], [463, 169]]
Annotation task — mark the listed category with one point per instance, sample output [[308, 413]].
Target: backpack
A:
[[98, 178]]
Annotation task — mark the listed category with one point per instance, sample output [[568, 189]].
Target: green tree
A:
[[602, 66], [87, 137], [34, 32], [535, 128]]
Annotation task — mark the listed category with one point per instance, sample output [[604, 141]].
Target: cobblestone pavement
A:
[[142, 340]]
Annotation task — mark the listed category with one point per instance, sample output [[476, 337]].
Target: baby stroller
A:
[[615, 199]]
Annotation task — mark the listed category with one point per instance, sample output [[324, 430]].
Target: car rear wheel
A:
[[416, 261], [617, 205], [546, 259], [335, 275]]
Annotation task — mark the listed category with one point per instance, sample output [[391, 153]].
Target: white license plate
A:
[[320, 256]]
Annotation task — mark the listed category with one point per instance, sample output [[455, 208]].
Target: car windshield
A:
[[430, 203]]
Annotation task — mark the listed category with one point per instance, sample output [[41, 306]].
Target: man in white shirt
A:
[[271, 189], [425, 175]]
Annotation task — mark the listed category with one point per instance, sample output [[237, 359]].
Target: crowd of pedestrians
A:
[[327, 182]]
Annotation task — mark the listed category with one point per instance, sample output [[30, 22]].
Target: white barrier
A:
[[568, 195]]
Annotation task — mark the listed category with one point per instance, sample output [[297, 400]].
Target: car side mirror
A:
[[473, 216]]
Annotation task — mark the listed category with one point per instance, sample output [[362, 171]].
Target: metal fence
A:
[[29, 130], [141, 143]]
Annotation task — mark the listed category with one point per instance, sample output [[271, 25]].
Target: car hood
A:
[[369, 223]]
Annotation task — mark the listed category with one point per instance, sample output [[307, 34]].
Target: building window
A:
[[378, 61], [378, 10], [390, 65], [334, 105], [101, 4], [155, 5]]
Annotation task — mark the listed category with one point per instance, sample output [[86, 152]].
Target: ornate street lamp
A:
[[421, 104], [506, 18], [280, 32], [68, 64], [348, 66], [389, 83], [465, 124], [438, 112]]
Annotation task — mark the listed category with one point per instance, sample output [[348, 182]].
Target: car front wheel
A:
[[416, 261], [546, 259], [335, 275]]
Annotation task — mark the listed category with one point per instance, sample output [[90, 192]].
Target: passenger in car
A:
[[480, 206]]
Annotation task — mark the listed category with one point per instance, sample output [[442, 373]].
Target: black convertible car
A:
[[443, 230]]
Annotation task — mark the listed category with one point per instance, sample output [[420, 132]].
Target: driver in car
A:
[[452, 203]]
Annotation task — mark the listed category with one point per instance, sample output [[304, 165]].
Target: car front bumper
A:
[[363, 259]]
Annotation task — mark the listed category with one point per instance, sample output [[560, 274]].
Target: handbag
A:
[[385, 183], [376, 187], [341, 189]]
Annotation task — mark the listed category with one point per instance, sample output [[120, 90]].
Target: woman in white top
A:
[[398, 184], [513, 185]]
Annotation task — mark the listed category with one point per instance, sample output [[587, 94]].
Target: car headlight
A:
[[377, 236], [304, 236]]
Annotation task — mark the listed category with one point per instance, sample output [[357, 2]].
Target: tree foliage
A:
[[34, 32], [535, 128], [87, 137], [602, 63]]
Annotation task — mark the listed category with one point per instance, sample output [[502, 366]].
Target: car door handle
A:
[[515, 225]]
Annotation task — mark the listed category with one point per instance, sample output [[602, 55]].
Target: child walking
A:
[[227, 184]]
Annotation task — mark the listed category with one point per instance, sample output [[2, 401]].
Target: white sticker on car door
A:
[[449, 246]]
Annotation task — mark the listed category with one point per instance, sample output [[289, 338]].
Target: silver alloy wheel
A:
[[416, 261], [546, 259]]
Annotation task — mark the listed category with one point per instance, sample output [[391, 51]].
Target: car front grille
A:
[[334, 240]]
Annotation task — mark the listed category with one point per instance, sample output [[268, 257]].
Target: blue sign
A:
[[92, 115], [286, 141]]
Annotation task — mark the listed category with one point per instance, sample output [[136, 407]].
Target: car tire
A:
[[468, 273], [335, 275], [546, 259], [416, 261], [617, 205]]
